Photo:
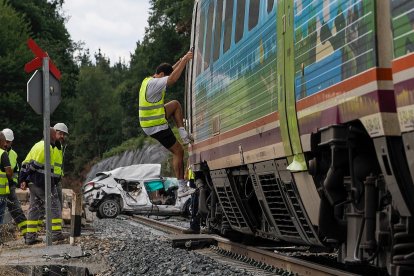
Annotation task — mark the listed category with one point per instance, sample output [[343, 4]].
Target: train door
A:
[[190, 72], [300, 181], [286, 90]]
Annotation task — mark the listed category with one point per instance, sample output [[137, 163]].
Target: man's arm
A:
[[9, 173], [176, 64], [24, 175], [5, 162], [175, 75]]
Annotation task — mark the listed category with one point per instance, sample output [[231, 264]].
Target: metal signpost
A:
[[44, 86]]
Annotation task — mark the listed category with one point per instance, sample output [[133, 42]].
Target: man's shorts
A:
[[166, 137]]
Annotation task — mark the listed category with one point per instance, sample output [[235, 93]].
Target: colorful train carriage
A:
[[294, 113], [403, 71], [233, 86]]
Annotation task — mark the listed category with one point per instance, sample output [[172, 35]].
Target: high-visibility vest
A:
[[150, 114], [4, 182], [58, 161], [36, 156], [13, 163]]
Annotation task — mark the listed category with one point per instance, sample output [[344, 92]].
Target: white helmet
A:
[[61, 127], [8, 133]]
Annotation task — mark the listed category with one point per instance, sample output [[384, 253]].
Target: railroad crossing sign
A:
[[36, 86], [35, 92], [43, 95], [37, 61]]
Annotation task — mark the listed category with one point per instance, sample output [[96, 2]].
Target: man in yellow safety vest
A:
[[13, 204], [154, 114], [32, 175], [62, 132], [6, 176]]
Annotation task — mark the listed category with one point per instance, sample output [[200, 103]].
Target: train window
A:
[[217, 29], [228, 24], [254, 8], [207, 52], [199, 52], [241, 6], [270, 4]]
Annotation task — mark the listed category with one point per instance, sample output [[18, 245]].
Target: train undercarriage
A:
[[354, 199]]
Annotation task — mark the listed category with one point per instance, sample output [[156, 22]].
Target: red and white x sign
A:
[[37, 61]]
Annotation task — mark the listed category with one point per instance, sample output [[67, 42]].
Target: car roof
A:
[[135, 172]]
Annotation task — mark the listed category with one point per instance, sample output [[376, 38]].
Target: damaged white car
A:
[[136, 189]]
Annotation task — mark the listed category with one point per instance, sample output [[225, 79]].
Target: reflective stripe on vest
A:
[[57, 224], [4, 182], [13, 163], [32, 226], [150, 114], [22, 227]]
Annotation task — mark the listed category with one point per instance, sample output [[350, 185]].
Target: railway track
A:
[[268, 262]]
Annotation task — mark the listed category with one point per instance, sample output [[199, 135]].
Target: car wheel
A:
[[109, 208]]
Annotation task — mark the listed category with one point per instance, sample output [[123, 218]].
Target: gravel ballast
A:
[[131, 249]]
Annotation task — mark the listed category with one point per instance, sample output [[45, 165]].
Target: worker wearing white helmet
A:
[[8, 133], [62, 128], [13, 203], [58, 152], [32, 175]]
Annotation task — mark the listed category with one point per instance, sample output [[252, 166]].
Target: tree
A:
[[14, 31], [40, 20], [96, 115]]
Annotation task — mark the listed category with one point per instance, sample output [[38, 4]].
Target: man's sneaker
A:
[[191, 231], [188, 139], [185, 136], [184, 190]]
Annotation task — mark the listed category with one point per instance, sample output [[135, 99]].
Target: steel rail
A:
[[295, 265], [159, 225], [291, 264]]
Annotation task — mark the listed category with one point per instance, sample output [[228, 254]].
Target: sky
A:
[[112, 26]]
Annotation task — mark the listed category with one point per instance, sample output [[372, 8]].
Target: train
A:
[[303, 117]]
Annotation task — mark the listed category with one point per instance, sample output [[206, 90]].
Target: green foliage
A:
[[40, 20], [97, 114], [14, 31], [175, 13]]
